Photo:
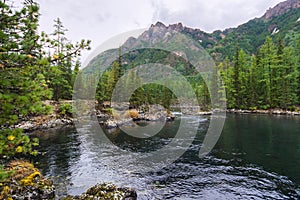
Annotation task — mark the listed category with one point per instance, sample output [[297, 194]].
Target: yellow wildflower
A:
[[55, 56], [6, 190], [19, 149], [29, 179], [11, 137]]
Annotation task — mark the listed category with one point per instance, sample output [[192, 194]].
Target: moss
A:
[[26, 182], [105, 191], [22, 169]]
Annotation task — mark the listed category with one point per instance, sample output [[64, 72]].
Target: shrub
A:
[[14, 143], [108, 111], [253, 108], [5, 174], [65, 109], [133, 114], [293, 108]]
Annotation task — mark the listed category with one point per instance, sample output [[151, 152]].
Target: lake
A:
[[256, 157]]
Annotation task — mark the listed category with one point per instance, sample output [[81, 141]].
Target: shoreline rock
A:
[[105, 191], [270, 111], [128, 119], [45, 122]]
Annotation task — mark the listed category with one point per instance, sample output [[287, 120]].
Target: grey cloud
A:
[[212, 15]]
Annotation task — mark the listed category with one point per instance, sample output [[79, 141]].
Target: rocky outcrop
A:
[[282, 8], [153, 113], [105, 191], [160, 31]]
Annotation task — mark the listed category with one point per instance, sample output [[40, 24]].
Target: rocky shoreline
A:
[[270, 111], [55, 121], [43, 122]]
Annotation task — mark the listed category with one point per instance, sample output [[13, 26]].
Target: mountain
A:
[[281, 21]]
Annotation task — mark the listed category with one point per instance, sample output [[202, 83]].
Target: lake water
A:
[[256, 157]]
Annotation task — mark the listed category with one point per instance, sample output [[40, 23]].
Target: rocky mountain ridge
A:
[[283, 18], [281, 8]]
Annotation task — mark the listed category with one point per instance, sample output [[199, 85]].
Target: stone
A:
[[105, 191]]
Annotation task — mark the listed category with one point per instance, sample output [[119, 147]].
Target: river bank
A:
[[110, 119], [269, 111]]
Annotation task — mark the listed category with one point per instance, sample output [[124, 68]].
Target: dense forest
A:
[[265, 80], [269, 79]]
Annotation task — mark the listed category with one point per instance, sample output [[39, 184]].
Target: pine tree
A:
[[253, 85], [266, 65], [297, 56], [243, 79], [22, 85], [236, 79], [289, 80]]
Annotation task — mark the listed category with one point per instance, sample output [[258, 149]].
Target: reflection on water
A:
[[257, 157]]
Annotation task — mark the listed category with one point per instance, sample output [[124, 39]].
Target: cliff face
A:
[[282, 8], [206, 39]]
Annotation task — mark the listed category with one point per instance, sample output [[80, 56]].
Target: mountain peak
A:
[[159, 25], [282, 8], [178, 26]]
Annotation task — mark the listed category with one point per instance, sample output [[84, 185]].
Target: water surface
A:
[[256, 157]]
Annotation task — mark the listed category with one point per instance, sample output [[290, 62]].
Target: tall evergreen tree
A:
[[236, 78]]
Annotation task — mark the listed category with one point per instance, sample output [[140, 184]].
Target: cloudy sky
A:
[[99, 20]]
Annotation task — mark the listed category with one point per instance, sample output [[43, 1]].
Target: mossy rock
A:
[[105, 191], [26, 182]]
